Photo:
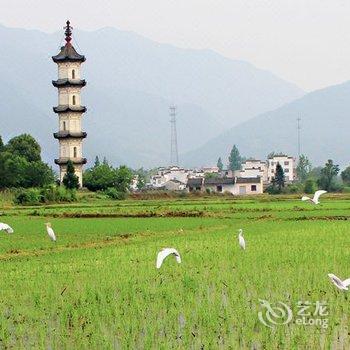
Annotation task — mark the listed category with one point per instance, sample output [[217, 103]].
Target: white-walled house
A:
[[174, 185], [210, 170], [234, 185], [254, 168], [287, 163], [250, 185], [166, 174]]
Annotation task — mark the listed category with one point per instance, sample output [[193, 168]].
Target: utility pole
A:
[[299, 132], [174, 155]]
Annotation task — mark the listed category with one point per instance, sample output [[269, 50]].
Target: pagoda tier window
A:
[[74, 100], [73, 73]]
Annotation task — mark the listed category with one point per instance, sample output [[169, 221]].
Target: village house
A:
[[174, 185], [195, 184], [288, 165], [254, 168], [210, 170], [166, 174], [233, 185]]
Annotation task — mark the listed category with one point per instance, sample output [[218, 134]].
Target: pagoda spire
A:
[[68, 32]]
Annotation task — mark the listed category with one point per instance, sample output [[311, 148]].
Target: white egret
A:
[[5, 227], [241, 240], [343, 285], [314, 200], [164, 253], [50, 231]]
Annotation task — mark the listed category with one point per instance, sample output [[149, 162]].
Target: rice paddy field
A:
[[97, 287]]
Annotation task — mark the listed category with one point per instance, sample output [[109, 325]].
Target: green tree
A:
[[21, 165], [303, 168], [38, 174], [345, 175], [220, 165], [12, 170], [100, 177], [2, 146], [141, 179], [97, 162], [315, 173], [235, 160], [310, 186], [279, 177], [123, 178], [211, 175], [24, 146], [328, 175], [70, 180]]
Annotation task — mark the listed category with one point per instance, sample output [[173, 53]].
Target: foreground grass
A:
[[98, 288]]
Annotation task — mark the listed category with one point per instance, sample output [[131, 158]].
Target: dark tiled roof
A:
[[67, 108], [219, 181], [195, 182], [68, 54], [69, 134], [281, 155], [248, 180], [68, 82]]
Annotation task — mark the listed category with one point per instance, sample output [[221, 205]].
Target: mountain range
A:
[[325, 128], [131, 83]]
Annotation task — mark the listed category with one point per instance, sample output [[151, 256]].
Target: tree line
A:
[[21, 167]]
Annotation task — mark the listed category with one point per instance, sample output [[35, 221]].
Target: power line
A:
[[174, 155]]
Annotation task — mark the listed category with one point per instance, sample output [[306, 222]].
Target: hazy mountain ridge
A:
[[325, 124], [131, 82]]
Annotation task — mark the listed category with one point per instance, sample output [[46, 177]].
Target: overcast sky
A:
[[304, 41]]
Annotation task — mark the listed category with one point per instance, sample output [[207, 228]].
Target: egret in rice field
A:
[[241, 239], [50, 231], [6, 228], [343, 285], [315, 199], [164, 253]]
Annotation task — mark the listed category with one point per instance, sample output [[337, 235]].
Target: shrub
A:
[[58, 194], [271, 189], [310, 186], [34, 196], [113, 193], [29, 196], [292, 188]]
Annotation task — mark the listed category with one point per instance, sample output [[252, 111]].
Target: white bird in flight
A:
[[50, 231], [241, 240], [343, 285], [5, 227], [314, 200], [164, 253]]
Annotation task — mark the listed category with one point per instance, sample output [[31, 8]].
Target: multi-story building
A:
[[287, 163], [254, 168]]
